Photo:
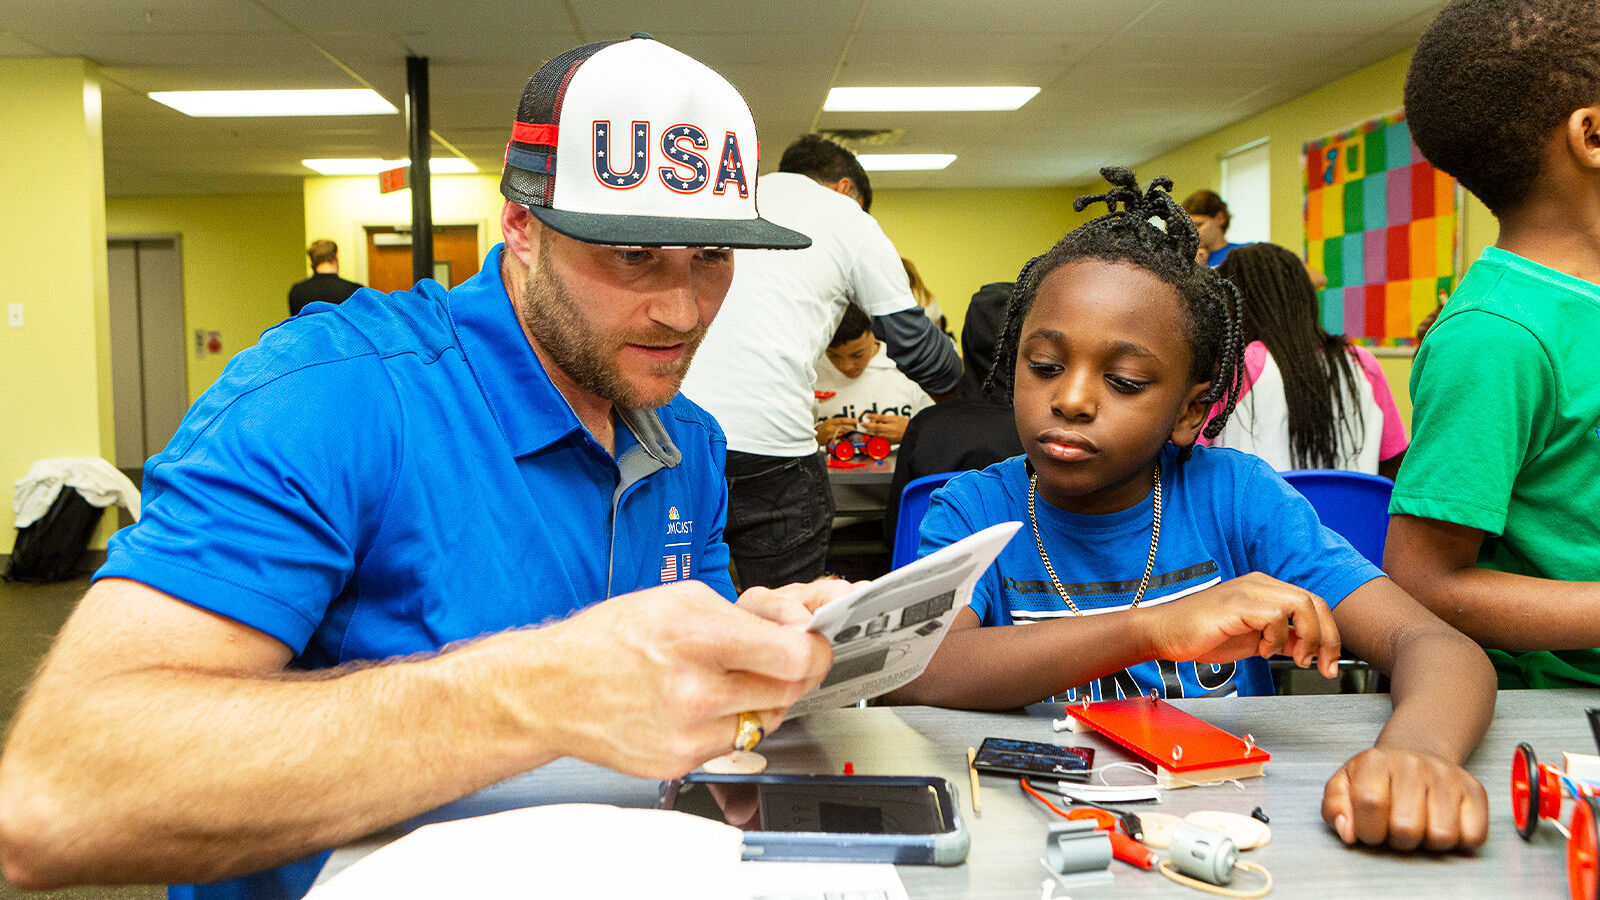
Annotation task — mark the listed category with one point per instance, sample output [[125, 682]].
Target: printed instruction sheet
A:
[[884, 632]]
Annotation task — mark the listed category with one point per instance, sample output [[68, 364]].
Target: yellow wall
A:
[[961, 240], [1374, 91], [55, 396], [240, 254], [340, 208]]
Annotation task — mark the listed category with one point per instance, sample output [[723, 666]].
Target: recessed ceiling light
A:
[[904, 162], [209, 104], [444, 165], [926, 99]]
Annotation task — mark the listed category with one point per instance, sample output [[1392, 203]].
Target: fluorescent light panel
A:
[[444, 165], [926, 99], [904, 162], [238, 104]]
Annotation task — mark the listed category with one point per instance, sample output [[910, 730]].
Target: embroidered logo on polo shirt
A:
[[675, 561]]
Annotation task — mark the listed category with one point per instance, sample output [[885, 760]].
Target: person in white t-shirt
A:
[[756, 368], [859, 388], [1312, 400]]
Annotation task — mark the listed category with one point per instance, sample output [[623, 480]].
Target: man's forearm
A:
[[165, 743], [169, 774]]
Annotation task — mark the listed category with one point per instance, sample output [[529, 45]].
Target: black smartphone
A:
[[830, 818], [1033, 759]]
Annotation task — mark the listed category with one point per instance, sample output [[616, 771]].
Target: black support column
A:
[[421, 184]]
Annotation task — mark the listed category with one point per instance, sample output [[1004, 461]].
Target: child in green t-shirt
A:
[[1496, 521]]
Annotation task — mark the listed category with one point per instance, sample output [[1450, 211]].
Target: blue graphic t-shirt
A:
[[1224, 514]]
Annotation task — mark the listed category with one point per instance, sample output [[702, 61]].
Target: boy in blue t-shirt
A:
[[1147, 565]]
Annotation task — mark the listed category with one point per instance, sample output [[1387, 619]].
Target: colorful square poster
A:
[[1381, 224]]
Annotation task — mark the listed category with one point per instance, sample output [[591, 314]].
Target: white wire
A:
[[1141, 768]]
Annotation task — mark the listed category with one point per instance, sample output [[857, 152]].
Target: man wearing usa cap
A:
[[411, 482]]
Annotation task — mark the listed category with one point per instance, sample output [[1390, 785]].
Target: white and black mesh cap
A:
[[635, 144]]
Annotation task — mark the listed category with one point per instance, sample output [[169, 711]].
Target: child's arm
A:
[[1410, 790], [1010, 666], [1436, 562], [832, 427]]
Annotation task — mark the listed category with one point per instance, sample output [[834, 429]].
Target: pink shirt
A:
[[1260, 421]]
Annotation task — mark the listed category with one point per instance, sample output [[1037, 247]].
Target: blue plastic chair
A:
[[913, 504], [1354, 504]]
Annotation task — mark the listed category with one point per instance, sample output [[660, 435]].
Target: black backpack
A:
[[51, 548]]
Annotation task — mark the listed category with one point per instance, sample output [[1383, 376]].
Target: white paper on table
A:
[[884, 632], [580, 850], [784, 880]]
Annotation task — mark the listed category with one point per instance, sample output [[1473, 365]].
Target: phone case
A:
[[947, 847]]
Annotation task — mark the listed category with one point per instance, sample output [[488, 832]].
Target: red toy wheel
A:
[[878, 447], [1550, 792], [843, 449], [1582, 865], [1524, 790]]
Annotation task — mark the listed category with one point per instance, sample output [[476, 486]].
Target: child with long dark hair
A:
[[1150, 565], [1311, 400]]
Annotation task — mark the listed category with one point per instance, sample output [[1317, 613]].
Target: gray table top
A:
[[1308, 736], [879, 471], [862, 491]]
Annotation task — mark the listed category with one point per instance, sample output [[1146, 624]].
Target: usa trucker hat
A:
[[636, 144]]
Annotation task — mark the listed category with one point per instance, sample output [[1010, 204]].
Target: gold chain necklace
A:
[[1149, 563]]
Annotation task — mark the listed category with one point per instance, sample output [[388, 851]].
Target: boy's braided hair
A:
[[1128, 235]]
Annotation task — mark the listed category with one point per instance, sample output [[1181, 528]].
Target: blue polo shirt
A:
[[395, 473]]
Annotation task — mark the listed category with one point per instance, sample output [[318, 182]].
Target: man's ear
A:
[[844, 186], [1583, 136], [521, 231], [1195, 409]]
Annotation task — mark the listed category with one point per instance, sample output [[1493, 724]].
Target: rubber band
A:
[[1140, 768], [1197, 884]]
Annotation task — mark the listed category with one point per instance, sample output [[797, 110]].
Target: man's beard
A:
[[551, 315]]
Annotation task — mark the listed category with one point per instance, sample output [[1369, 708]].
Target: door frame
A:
[[176, 240], [358, 239]]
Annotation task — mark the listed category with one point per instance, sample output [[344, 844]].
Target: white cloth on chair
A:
[[96, 480]]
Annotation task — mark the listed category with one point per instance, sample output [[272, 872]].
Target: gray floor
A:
[[30, 616]]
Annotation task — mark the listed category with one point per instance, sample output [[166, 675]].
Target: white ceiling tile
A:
[[1055, 16], [613, 19], [484, 17], [1123, 80], [90, 17]]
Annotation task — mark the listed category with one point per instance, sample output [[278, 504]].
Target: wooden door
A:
[[455, 256]]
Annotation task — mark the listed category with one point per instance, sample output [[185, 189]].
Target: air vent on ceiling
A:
[[863, 137]]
